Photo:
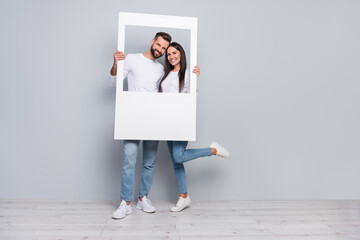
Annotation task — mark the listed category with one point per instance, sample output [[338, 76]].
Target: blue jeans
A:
[[128, 168], [179, 154]]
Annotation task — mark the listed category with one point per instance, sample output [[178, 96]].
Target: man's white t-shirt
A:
[[142, 73], [171, 83]]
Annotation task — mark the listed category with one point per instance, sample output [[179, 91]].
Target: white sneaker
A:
[[220, 150], [145, 205], [181, 204], [122, 211]]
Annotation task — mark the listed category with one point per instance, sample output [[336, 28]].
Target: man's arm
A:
[[113, 71], [117, 56]]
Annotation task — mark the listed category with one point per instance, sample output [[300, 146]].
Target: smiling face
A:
[[174, 56], [158, 47]]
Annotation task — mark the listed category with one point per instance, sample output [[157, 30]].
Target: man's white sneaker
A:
[[122, 211], [181, 204], [145, 205], [220, 150]]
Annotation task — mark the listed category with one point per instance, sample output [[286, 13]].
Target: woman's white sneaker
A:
[[181, 204], [220, 150], [145, 205], [122, 211]]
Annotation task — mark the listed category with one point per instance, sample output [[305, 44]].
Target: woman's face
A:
[[173, 55]]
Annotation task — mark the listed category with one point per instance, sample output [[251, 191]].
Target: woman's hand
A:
[[196, 71]]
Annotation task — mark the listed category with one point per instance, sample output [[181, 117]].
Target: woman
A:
[[177, 79]]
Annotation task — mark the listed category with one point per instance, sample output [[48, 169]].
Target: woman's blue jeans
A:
[[128, 168], [179, 154]]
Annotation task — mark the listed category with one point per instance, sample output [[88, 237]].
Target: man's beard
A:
[[153, 52]]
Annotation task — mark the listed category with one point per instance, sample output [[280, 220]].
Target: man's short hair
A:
[[164, 35]]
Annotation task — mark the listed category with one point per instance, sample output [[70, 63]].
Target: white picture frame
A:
[[156, 116]]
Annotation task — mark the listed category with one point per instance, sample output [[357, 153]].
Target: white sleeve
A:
[[158, 82], [127, 66], [112, 79], [187, 82]]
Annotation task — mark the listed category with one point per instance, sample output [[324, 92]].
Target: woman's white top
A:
[[171, 83]]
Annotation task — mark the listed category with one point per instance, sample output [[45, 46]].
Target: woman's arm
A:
[[196, 70]]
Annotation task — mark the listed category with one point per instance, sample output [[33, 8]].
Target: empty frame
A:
[[156, 116]]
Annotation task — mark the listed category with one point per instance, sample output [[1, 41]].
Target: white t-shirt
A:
[[142, 73], [171, 83]]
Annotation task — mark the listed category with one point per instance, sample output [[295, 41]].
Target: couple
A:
[[146, 74]]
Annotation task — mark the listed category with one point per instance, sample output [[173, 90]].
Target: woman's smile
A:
[[173, 61]]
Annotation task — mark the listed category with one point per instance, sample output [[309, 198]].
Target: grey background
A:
[[279, 87]]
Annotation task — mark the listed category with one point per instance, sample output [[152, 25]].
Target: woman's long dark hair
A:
[[168, 67]]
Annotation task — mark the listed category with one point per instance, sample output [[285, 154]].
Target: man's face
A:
[[158, 47]]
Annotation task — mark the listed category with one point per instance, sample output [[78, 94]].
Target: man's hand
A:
[[117, 56]]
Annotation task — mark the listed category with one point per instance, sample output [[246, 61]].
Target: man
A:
[[144, 74]]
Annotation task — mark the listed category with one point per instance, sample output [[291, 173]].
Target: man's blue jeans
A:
[[179, 154], [128, 168]]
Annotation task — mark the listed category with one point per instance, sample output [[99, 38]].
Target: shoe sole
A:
[[123, 216], [180, 210], [144, 210], [188, 205]]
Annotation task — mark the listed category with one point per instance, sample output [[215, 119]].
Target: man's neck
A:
[[148, 55]]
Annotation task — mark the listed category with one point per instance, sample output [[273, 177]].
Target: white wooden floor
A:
[[268, 220]]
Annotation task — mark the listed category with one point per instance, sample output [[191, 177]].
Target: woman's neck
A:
[[176, 68]]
